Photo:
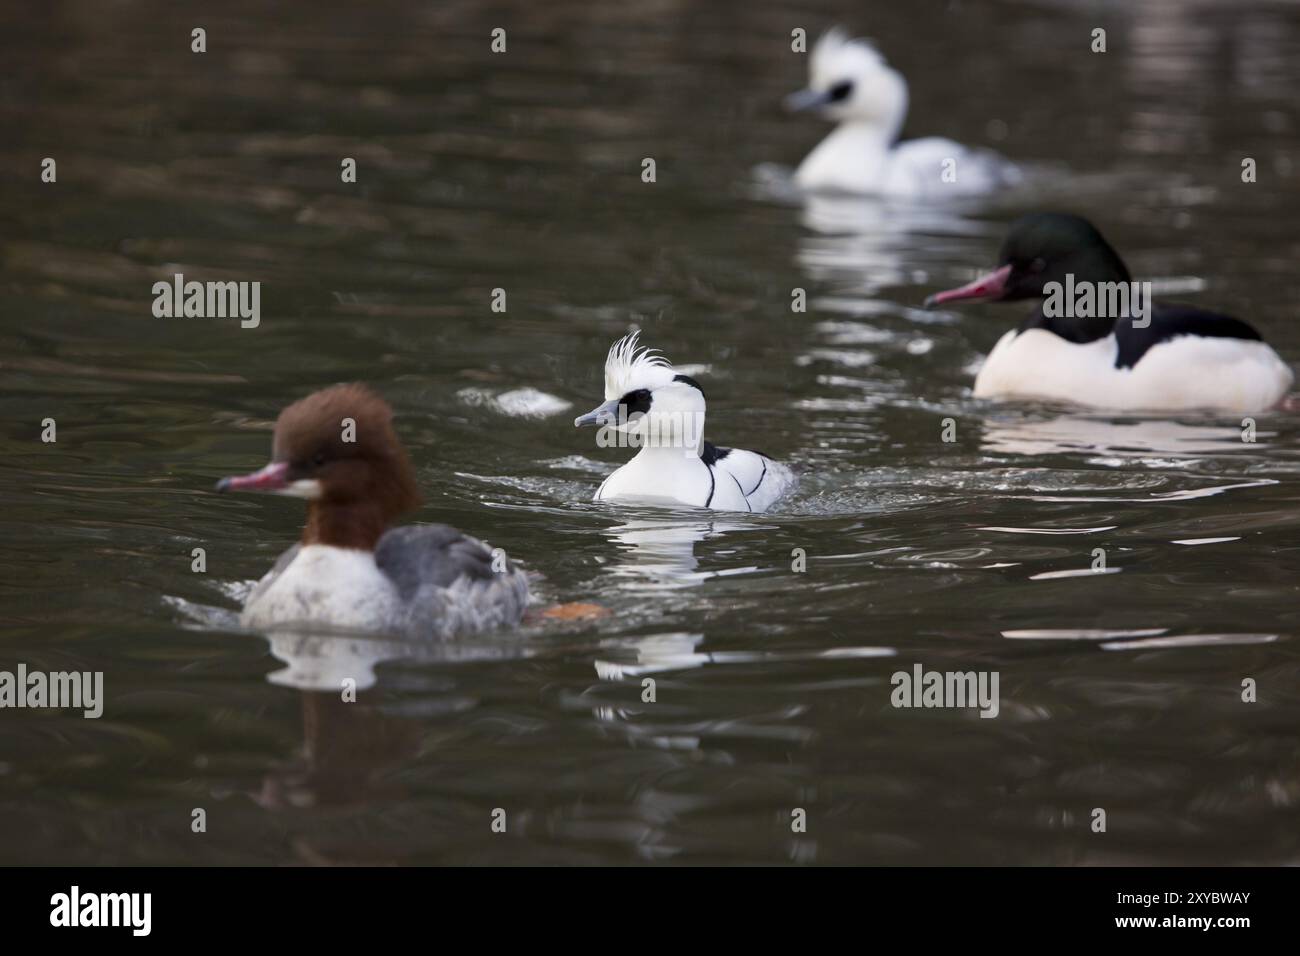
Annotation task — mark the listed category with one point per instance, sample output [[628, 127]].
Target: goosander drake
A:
[[851, 83], [1149, 358], [337, 449], [652, 406]]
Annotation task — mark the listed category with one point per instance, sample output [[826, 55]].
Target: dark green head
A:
[[1040, 248]]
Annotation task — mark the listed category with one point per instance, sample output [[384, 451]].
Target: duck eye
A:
[[636, 401], [318, 459], [1038, 265], [840, 91]]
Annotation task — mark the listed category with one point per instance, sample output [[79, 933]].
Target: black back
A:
[[1168, 321], [711, 453]]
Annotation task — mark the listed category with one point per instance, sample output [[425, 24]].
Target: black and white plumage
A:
[[1162, 357], [651, 406]]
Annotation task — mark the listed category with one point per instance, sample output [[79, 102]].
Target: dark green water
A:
[[522, 171]]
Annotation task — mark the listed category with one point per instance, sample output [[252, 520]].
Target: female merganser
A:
[[651, 406], [851, 83], [1114, 349], [337, 449]]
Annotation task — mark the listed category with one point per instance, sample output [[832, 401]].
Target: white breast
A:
[[851, 159], [1187, 372], [323, 585], [664, 476]]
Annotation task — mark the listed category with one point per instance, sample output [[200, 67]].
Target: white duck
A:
[[851, 83], [650, 406]]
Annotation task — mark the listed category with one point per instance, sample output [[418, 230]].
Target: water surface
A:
[[523, 172]]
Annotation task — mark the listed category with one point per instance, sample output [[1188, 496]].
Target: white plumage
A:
[[650, 406], [324, 585], [1238, 376], [629, 366], [851, 83]]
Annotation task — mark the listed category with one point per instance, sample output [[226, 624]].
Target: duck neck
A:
[[662, 456], [1089, 304], [1073, 329], [853, 156], [863, 137], [358, 525]]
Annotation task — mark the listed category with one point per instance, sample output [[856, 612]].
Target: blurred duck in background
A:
[[851, 84]]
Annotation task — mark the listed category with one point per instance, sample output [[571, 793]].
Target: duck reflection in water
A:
[[351, 742], [1117, 437], [660, 552]]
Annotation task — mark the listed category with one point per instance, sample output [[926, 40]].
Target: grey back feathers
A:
[[415, 556], [447, 582]]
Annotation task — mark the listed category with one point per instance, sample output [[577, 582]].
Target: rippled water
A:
[[522, 172]]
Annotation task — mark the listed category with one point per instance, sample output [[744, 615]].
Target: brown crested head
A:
[[337, 448]]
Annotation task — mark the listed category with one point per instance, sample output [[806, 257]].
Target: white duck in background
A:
[[851, 83], [649, 405]]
